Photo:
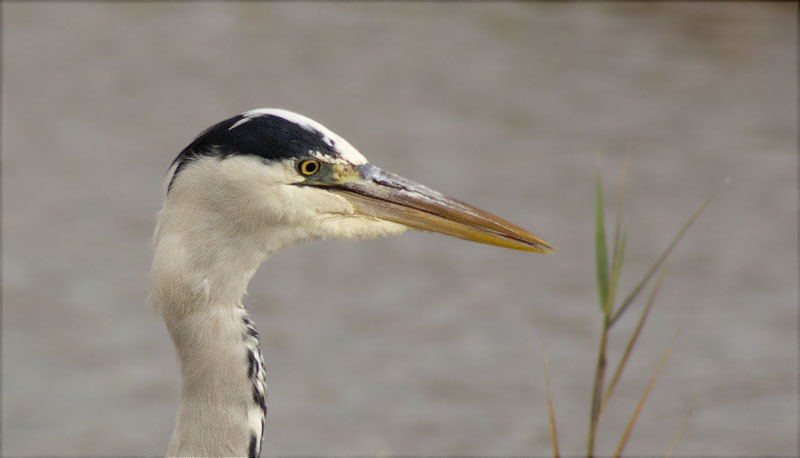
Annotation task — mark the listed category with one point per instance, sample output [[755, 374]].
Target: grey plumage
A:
[[242, 190]]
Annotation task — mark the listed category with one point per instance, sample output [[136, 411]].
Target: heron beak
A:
[[379, 194]]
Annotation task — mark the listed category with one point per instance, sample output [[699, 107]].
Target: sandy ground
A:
[[418, 344]]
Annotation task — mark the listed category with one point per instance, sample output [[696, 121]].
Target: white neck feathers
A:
[[201, 268]]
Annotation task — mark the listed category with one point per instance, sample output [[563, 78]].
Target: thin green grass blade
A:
[[629, 428], [601, 257], [628, 300], [616, 260], [600, 248], [632, 341], [618, 224], [616, 268]]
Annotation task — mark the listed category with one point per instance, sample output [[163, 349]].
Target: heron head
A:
[[284, 178]]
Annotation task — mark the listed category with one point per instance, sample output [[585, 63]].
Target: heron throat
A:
[[197, 284]]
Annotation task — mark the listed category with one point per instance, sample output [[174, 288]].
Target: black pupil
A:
[[310, 167]]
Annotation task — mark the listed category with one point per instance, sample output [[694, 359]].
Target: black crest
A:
[[268, 136]]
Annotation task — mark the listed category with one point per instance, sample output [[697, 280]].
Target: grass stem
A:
[[597, 391], [550, 412], [632, 341], [678, 435], [629, 428]]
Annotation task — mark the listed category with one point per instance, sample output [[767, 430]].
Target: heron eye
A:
[[309, 167]]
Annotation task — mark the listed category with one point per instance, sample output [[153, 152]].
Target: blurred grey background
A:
[[418, 344]]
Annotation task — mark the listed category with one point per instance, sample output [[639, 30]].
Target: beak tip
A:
[[538, 245], [549, 249]]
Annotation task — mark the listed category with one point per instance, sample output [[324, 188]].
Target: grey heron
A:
[[243, 189]]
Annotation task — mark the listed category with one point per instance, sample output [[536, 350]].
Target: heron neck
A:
[[198, 287], [223, 395]]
